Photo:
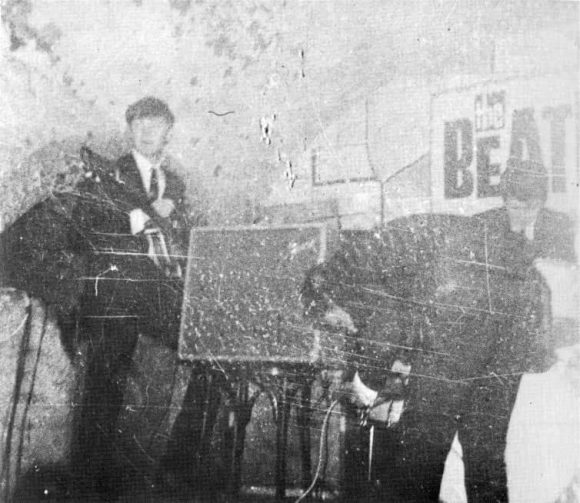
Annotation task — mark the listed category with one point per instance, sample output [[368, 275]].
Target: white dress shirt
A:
[[145, 167], [138, 218]]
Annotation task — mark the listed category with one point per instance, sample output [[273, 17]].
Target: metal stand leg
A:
[[203, 463], [282, 438], [304, 415], [235, 436], [204, 440]]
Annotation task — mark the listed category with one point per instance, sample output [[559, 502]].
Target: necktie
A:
[[154, 187]]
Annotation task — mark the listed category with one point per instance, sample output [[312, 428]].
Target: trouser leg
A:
[[188, 450], [110, 349], [483, 439], [413, 456]]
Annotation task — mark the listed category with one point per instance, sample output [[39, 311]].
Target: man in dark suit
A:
[[474, 329], [422, 294], [133, 217]]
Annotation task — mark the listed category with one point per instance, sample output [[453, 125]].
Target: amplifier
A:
[[242, 293]]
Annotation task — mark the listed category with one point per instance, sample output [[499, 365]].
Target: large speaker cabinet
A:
[[242, 293]]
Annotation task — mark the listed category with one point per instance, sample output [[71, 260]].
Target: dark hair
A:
[[149, 107], [524, 180]]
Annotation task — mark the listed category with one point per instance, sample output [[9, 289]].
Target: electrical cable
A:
[[320, 452]]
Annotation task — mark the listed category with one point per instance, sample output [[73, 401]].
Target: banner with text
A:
[[475, 130]]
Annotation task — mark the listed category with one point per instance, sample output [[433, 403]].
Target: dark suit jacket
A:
[[127, 173], [553, 234], [113, 191], [122, 279]]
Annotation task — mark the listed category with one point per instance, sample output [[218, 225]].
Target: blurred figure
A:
[[523, 221], [458, 302]]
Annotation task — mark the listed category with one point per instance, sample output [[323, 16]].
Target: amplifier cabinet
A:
[[242, 293]]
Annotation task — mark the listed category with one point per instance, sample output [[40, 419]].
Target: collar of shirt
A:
[[145, 166], [529, 231]]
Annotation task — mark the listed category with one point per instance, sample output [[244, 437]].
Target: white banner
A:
[[475, 130]]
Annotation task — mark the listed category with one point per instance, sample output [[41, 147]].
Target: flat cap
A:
[[524, 180], [149, 107]]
